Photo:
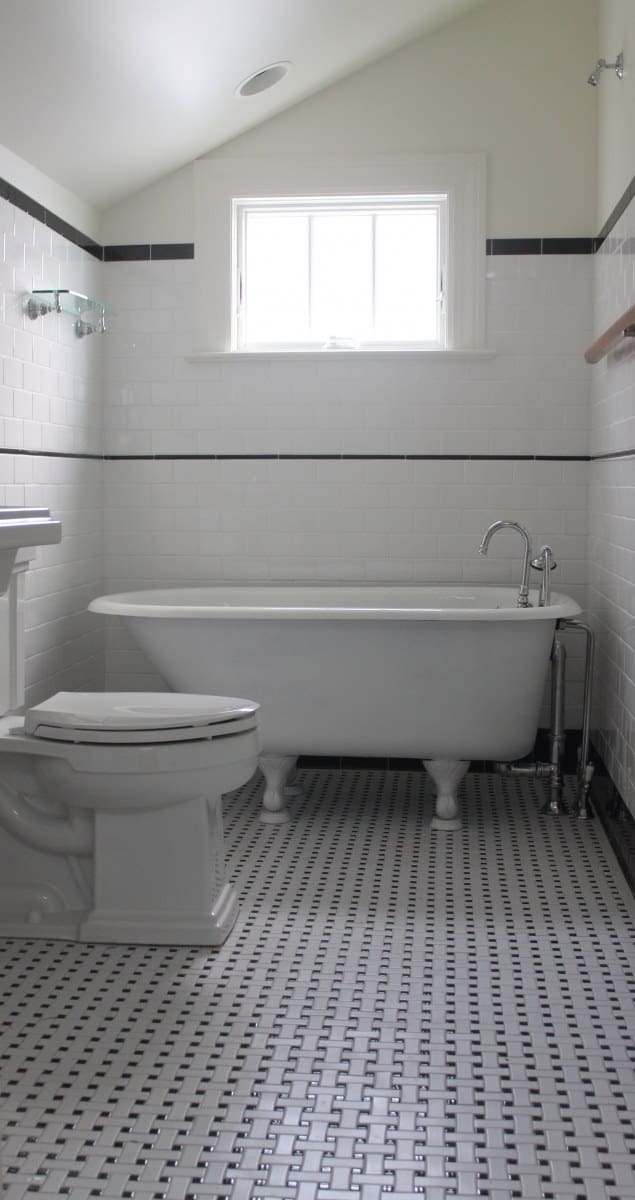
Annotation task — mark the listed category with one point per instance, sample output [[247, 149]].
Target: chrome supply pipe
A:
[[586, 769], [535, 770], [552, 770], [557, 736]]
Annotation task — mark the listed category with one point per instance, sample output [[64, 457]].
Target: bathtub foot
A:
[[447, 774], [292, 787], [276, 769]]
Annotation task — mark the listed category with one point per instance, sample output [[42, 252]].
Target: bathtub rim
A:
[[164, 603]]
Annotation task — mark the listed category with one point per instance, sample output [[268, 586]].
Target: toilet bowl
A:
[[111, 816], [111, 825]]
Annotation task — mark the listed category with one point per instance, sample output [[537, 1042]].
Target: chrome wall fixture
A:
[[602, 65]]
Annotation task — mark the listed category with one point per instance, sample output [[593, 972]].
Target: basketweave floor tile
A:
[[397, 1012]]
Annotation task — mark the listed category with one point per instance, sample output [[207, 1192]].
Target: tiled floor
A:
[[396, 1013]]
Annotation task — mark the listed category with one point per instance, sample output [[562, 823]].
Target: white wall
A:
[[612, 490], [50, 408], [48, 193], [616, 105], [490, 81]]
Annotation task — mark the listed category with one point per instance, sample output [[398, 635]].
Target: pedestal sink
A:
[[21, 527]]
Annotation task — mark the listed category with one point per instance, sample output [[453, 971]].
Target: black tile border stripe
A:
[[126, 253], [157, 251], [352, 457], [560, 245], [303, 457], [48, 218], [617, 454], [618, 211], [148, 252], [611, 455], [567, 458], [53, 454]]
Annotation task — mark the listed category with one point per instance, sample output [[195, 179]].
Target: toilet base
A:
[[159, 877], [153, 929], [138, 929], [155, 877], [51, 927]]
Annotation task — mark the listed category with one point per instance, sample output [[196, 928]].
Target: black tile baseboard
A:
[[605, 801], [371, 763], [617, 820]]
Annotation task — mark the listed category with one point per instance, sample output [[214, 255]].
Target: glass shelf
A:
[[42, 301]]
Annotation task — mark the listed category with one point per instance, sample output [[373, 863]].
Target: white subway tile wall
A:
[[530, 398], [612, 514], [344, 519], [188, 521], [51, 404]]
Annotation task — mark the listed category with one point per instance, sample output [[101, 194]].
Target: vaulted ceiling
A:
[[106, 96]]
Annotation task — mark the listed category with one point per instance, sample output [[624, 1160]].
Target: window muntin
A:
[[340, 271]]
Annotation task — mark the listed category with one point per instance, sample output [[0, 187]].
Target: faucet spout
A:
[[523, 592]]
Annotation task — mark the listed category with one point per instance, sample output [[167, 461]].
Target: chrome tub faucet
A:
[[523, 593]]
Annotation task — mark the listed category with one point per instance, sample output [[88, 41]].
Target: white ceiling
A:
[[104, 96]]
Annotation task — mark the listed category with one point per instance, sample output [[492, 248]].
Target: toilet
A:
[[111, 826]]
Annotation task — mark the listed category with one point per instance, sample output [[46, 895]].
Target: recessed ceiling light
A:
[[263, 79]]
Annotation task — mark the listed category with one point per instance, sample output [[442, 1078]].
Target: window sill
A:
[[314, 356]]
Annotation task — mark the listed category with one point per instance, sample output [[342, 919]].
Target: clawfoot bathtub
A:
[[444, 674]]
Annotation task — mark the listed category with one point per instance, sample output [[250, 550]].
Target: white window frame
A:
[[218, 182], [242, 207]]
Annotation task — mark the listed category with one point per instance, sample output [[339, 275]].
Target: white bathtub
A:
[[446, 674]]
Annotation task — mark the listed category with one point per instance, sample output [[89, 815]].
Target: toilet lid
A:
[[125, 717]]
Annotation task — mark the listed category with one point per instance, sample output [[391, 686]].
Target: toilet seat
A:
[[128, 718]]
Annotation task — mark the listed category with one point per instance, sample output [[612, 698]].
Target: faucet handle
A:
[[544, 558], [545, 563]]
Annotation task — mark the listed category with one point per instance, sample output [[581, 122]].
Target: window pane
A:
[[276, 278], [406, 276], [341, 279], [318, 269]]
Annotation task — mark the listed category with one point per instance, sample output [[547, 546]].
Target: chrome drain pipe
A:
[[553, 769]]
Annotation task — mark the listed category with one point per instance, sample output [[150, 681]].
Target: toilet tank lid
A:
[[135, 710]]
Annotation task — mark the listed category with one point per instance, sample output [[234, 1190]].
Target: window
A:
[[282, 274], [340, 272]]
